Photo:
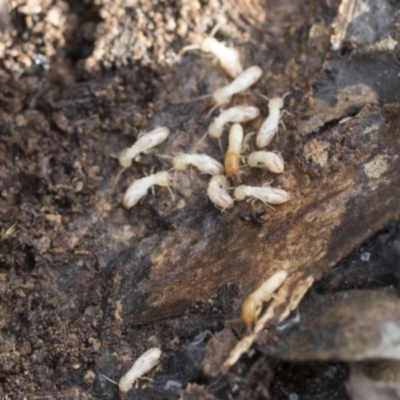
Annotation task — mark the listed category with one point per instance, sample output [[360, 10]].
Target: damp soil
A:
[[87, 286]]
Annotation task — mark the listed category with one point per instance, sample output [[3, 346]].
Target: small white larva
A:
[[237, 114], [144, 364], [202, 162], [266, 194], [253, 304], [139, 188], [232, 156], [243, 81], [144, 143], [269, 127], [227, 56], [217, 192], [271, 160]]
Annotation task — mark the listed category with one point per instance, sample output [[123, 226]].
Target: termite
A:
[[269, 127], [145, 142], [217, 192], [266, 194], [232, 156], [139, 188], [227, 56], [271, 160], [144, 364], [237, 114], [5, 20], [202, 162], [252, 306], [243, 81]]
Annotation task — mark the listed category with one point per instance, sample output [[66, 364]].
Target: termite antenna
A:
[[190, 47], [171, 192], [263, 96], [211, 111], [286, 95], [216, 28], [163, 156], [109, 379]]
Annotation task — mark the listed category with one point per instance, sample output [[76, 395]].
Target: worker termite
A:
[[269, 127], [266, 194], [252, 306], [227, 56], [139, 188], [271, 160], [243, 81], [145, 142], [232, 156], [5, 20], [202, 162], [237, 114], [217, 192], [144, 364]]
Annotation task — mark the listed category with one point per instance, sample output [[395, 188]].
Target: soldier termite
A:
[[266, 194], [144, 364], [232, 156], [237, 114], [217, 192], [144, 143], [227, 56], [252, 306], [139, 188], [202, 162], [269, 127], [243, 81], [271, 160]]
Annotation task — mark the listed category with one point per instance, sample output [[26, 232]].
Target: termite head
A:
[[240, 192], [221, 96], [250, 311], [276, 102], [208, 44], [163, 178], [124, 161], [180, 162], [215, 129]]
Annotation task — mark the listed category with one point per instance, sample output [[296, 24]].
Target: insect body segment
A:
[[217, 192], [144, 364], [232, 156], [142, 145], [139, 188], [237, 114], [269, 127], [266, 194], [272, 161], [252, 306], [246, 79], [202, 162]]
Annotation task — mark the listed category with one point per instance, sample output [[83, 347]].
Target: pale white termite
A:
[[227, 56], [232, 156], [271, 160], [144, 143], [253, 304], [144, 364], [266, 194], [269, 127], [243, 81], [217, 192], [202, 162], [5, 20], [237, 114], [139, 188]]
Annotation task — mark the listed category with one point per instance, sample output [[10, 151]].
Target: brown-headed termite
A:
[[217, 192], [266, 194], [270, 160], [232, 156], [144, 143], [243, 81], [144, 364], [252, 306], [139, 188], [269, 127], [203, 162], [238, 114]]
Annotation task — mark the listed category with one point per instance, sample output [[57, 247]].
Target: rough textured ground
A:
[[87, 286]]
